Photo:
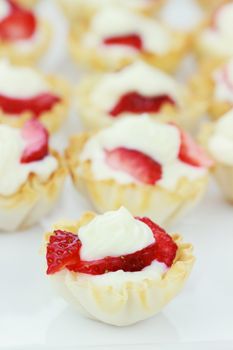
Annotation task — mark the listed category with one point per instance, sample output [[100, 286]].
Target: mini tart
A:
[[186, 112], [212, 54], [52, 119], [32, 201], [132, 301], [92, 58], [80, 9], [163, 205], [223, 173], [204, 85]]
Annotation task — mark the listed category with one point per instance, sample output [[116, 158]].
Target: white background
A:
[[201, 317]]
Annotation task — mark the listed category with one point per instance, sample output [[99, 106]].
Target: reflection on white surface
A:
[[32, 318]]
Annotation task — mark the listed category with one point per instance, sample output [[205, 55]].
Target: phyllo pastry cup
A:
[[161, 203], [121, 302], [46, 97], [84, 9], [32, 176], [102, 99], [212, 39], [217, 139], [113, 50]]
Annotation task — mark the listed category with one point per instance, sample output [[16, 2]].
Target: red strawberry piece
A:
[[134, 102], [191, 153], [135, 163], [62, 250], [37, 105], [132, 40], [19, 24], [36, 137]]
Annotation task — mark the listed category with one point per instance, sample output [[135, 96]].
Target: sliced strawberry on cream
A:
[[18, 24], [135, 103], [161, 247], [36, 138], [140, 166], [191, 153], [132, 40]]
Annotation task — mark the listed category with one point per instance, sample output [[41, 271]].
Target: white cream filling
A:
[[4, 9], [152, 272], [115, 21], [14, 174], [114, 233], [224, 89], [159, 141], [20, 82], [220, 38], [221, 142], [137, 77]]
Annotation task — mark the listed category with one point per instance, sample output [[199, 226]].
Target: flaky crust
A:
[[52, 119], [203, 85], [130, 302], [186, 116], [153, 201], [223, 173], [76, 11], [93, 59], [38, 49], [32, 201]]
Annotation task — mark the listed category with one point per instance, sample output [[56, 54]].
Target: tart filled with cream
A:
[[76, 9], [217, 138], [151, 168], [31, 176], [115, 37], [118, 278], [214, 40], [42, 97], [136, 89], [23, 37]]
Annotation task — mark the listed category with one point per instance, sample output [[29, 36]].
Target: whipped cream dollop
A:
[[219, 38], [114, 233], [159, 141], [116, 21], [14, 174], [223, 78], [221, 142], [4, 9], [112, 86], [20, 82]]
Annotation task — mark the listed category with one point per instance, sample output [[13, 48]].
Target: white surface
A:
[[31, 317]]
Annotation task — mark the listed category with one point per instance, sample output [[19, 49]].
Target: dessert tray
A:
[[32, 317]]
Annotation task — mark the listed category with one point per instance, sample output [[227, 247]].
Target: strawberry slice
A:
[[37, 105], [135, 163], [134, 102], [19, 24], [62, 250], [191, 153], [36, 137], [132, 40], [68, 245]]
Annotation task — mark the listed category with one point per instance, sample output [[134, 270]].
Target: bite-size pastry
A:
[[214, 38], [151, 168], [214, 86], [116, 268], [24, 37], [138, 88], [115, 37], [43, 97], [76, 9], [217, 138], [31, 175]]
